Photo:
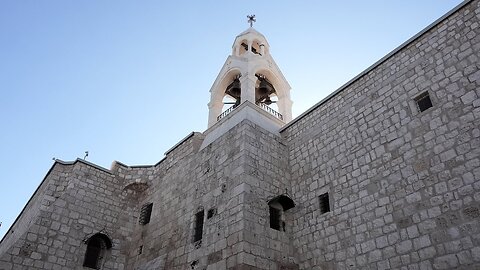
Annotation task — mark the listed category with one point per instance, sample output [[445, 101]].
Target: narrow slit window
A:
[[324, 203], [423, 102], [198, 226], [275, 218], [145, 213]]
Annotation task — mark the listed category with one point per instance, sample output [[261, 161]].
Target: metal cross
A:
[[251, 19]]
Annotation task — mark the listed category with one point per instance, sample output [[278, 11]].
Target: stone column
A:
[[248, 82]]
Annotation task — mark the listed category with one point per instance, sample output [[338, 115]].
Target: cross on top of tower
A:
[[251, 19]]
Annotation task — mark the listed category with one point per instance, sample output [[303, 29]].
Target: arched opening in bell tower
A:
[[243, 47], [232, 93], [258, 47], [265, 93], [230, 96]]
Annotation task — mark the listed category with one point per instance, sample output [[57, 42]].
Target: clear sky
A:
[[126, 80]]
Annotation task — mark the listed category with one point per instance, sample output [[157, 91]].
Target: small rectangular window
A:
[[275, 218], [324, 203], [145, 213], [198, 226], [423, 101]]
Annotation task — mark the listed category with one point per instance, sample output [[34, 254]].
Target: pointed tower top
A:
[[250, 36], [251, 30]]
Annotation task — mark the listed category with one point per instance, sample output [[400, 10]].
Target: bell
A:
[[265, 88], [234, 89]]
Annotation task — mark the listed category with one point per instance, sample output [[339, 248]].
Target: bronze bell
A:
[[265, 88], [234, 89]]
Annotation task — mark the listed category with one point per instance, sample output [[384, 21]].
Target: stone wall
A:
[[233, 177], [185, 182], [51, 187], [266, 176], [79, 200], [404, 184]]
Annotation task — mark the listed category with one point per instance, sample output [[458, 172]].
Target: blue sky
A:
[[126, 80]]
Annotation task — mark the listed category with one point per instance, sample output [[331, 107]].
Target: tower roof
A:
[[251, 32]]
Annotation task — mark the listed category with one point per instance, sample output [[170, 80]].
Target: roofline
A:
[[248, 31], [84, 162], [378, 63], [43, 181], [116, 162], [179, 143]]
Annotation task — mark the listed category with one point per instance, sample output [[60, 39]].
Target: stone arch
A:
[[219, 91], [243, 47], [284, 201], [277, 207], [259, 47], [215, 105], [134, 190], [282, 89]]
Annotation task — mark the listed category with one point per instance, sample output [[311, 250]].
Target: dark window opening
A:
[[324, 203], [277, 207], [96, 247], [245, 46], [284, 201], [145, 213], [211, 212], [140, 250], [275, 219], [92, 255], [423, 101], [198, 226]]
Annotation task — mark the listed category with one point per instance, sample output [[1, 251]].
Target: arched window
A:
[[277, 206], [97, 245], [243, 47]]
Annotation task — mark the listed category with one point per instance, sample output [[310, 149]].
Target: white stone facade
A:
[[246, 64]]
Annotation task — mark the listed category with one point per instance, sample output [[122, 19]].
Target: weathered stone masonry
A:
[[403, 185], [74, 201]]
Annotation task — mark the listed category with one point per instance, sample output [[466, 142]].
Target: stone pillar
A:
[[248, 82], [285, 108], [215, 109]]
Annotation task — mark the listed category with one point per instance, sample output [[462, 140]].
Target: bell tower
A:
[[250, 75]]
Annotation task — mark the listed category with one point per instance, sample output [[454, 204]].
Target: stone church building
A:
[[384, 173]]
